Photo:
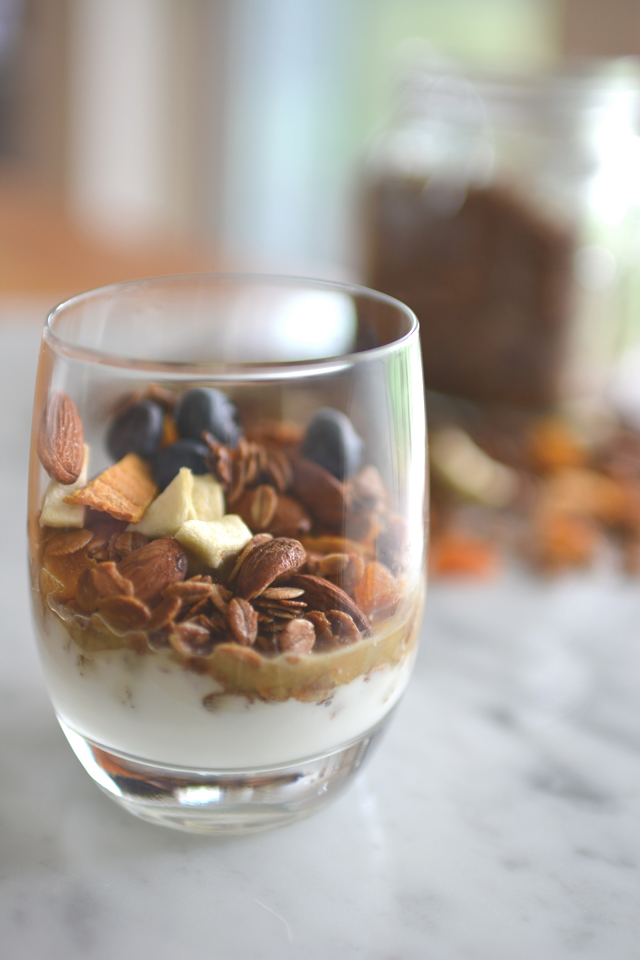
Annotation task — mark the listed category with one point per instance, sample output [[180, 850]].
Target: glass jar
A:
[[504, 212]]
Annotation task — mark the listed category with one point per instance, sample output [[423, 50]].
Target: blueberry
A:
[[137, 430], [332, 441], [204, 408], [183, 453]]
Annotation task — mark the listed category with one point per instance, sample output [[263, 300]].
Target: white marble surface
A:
[[498, 821]]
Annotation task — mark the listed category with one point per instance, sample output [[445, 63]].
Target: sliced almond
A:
[[124, 614], [60, 441], [243, 620], [67, 542], [124, 491]]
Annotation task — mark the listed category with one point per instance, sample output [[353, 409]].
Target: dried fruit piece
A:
[[60, 441], [267, 562], [378, 591], [152, 568], [55, 511], [243, 620], [124, 490], [458, 554], [217, 542]]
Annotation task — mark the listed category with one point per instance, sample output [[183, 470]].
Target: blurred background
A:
[[187, 133], [478, 159]]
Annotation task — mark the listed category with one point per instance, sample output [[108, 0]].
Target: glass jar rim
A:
[[229, 369]]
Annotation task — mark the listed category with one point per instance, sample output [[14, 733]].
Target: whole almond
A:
[[323, 595], [61, 440], [153, 567], [325, 498], [266, 562]]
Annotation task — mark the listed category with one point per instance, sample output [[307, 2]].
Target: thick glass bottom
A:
[[217, 801]]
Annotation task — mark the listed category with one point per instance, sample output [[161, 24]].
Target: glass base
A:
[[223, 802]]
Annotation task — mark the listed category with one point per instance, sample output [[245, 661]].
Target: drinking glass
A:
[[226, 538]]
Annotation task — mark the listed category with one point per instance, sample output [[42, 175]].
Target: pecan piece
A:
[[323, 595], [243, 620], [267, 562], [61, 441], [153, 567]]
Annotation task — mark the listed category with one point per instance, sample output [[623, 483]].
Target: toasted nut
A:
[[324, 497], [243, 620], [164, 614], [343, 628], [152, 568], [267, 562], [263, 501], [282, 593], [253, 543], [324, 595], [298, 636], [191, 639], [68, 542], [60, 441], [124, 490], [125, 543], [99, 582], [124, 614]]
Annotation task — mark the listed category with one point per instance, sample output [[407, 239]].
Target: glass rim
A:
[[230, 370]]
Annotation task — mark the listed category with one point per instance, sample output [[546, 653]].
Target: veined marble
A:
[[499, 819]]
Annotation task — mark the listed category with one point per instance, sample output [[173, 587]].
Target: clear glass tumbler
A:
[[226, 535]]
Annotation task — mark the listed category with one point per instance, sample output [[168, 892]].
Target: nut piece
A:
[[124, 490], [298, 636], [153, 567], [323, 595], [60, 441], [243, 620], [325, 498], [265, 563]]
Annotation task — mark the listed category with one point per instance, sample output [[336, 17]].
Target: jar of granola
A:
[[504, 211]]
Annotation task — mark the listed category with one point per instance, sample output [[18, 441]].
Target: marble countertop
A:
[[499, 819]]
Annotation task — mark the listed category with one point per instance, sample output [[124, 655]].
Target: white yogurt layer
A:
[[152, 708]]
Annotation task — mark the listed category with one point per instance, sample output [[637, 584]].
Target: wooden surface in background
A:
[[43, 252]]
